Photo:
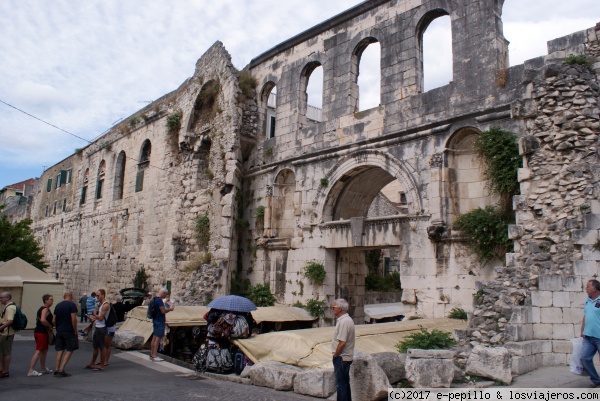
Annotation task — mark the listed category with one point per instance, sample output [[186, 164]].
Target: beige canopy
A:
[[27, 284], [311, 348], [193, 316]]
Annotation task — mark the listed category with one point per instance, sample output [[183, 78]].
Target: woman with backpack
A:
[[43, 327]]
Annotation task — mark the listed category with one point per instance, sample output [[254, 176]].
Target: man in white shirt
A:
[[342, 348]]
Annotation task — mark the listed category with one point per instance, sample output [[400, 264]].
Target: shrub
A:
[[315, 272], [247, 83], [486, 232], [140, 280], [203, 229], [173, 123], [580, 59], [458, 313], [424, 339], [260, 212], [261, 295], [324, 182], [315, 307], [133, 121], [198, 261]]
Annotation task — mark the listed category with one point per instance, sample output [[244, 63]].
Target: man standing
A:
[[65, 321], [159, 323], [590, 330], [342, 348], [7, 333], [99, 332], [83, 307]]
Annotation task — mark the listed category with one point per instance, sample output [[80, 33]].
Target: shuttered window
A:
[[139, 181], [83, 192], [49, 186]]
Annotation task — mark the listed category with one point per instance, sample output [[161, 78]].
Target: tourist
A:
[[159, 323], [83, 307], [590, 330], [342, 348], [43, 327], [65, 321], [7, 333]]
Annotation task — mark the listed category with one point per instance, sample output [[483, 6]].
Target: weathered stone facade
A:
[[285, 191]]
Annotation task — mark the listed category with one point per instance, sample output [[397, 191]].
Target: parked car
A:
[[132, 297]]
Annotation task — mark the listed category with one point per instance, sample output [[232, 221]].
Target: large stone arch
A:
[[381, 167]]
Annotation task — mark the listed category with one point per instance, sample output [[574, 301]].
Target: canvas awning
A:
[[381, 311], [311, 348]]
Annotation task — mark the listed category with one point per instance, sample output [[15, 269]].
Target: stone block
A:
[[560, 299], [315, 383], [430, 354], [519, 332], [551, 315], [367, 380], [591, 221], [563, 331], [585, 268], [589, 253], [554, 359], [429, 372], [585, 237], [124, 339], [572, 283], [393, 364], [524, 364], [573, 315], [521, 314], [494, 363], [562, 346], [527, 348], [542, 331], [541, 299], [275, 375], [548, 282]]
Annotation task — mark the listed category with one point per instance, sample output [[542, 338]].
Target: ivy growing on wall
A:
[[486, 230], [203, 229]]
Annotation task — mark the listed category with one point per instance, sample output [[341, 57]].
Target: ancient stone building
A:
[[281, 184]]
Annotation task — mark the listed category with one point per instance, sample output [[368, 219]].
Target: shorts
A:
[[98, 337], [6, 343], [66, 341], [111, 331], [158, 328], [41, 341]]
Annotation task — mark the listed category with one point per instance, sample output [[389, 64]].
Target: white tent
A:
[[27, 284]]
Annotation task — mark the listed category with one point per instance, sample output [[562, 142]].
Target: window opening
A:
[[369, 77], [436, 51], [314, 95], [84, 187], [143, 165], [100, 184], [119, 176], [270, 98], [64, 205]]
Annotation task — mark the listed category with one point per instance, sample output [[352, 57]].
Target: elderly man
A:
[[342, 348], [159, 323], [590, 330], [65, 321], [7, 333]]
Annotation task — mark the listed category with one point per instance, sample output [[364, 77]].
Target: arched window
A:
[[143, 165], [119, 176], [86, 178], [435, 50], [269, 101], [311, 82], [283, 206], [100, 182], [367, 67], [205, 107]]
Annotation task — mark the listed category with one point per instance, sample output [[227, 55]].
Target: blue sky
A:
[[84, 65]]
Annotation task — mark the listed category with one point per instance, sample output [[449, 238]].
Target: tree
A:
[[17, 240]]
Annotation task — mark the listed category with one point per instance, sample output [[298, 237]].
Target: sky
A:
[[85, 65]]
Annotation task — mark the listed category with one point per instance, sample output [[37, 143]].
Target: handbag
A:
[[51, 337]]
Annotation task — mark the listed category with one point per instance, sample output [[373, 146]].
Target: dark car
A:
[[132, 297]]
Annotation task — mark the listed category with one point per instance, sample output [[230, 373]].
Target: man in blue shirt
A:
[[159, 323], [590, 330]]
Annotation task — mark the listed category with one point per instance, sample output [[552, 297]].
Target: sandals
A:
[[97, 368], [4, 374]]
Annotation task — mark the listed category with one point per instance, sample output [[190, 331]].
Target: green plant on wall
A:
[[324, 182], [247, 83], [486, 232], [140, 280], [261, 295], [424, 339], [315, 272], [315, 307], [203, 229], [580, 59], [260, 216], [173, 122], [458, 313]]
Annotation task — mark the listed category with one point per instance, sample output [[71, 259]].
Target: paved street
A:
[[129, 376]]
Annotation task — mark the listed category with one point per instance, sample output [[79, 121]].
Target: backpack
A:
[[20, 320], [152, 312], [222, 327], [111, 318]]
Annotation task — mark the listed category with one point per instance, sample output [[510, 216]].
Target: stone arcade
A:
[[283, 184]]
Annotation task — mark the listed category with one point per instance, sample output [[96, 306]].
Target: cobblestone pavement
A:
[[128, 377]]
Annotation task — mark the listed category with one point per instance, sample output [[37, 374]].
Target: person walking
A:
[[342, 348], [43, 327], [159, 323], [590, 330], [65, 321], [90, 307], [100, 330], [83, 307], [7, 333]]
